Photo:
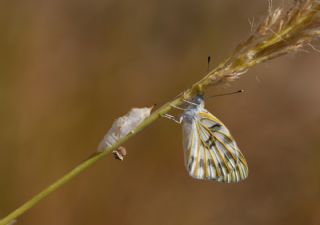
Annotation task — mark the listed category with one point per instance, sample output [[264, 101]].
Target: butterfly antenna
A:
[[209, 60], [231, 93]]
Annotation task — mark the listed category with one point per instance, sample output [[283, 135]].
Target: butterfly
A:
[[210, 152]]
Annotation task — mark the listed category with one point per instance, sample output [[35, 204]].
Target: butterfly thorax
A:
[[196, 105]]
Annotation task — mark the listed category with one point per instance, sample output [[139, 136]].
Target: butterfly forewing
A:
[[211, 152]]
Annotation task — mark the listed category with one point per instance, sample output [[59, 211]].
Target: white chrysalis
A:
[[123, 126]]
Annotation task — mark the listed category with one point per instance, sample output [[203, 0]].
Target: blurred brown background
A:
[[69, 68]]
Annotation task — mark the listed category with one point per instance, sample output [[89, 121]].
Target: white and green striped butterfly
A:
[[210, 152]]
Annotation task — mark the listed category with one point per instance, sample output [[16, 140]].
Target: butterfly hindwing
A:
[[211, 152]]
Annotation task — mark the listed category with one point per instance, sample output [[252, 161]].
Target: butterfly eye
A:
[[198, 99]]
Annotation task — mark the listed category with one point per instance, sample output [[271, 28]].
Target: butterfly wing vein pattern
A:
[[210, 151]]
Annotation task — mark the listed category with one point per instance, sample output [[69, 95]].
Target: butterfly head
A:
[[198, 99]]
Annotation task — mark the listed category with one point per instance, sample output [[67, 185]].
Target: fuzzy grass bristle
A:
[[281, 32]]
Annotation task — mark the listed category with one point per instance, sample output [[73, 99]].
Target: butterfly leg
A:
[[170, 117], [177, 107], [191, 103]]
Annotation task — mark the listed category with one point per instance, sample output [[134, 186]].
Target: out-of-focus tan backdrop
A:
[[69, 68]]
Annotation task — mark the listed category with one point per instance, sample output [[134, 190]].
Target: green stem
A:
[[38, 197], [86, 164]]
